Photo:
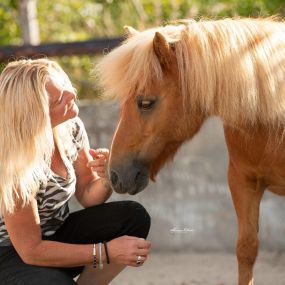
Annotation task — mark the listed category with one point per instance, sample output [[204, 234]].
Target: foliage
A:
[[9, 28], [73, 20]]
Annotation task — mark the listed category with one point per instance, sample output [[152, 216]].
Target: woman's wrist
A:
[[106, 184], [96, 256]]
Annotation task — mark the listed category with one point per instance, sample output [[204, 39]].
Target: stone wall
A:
[[190, 203]]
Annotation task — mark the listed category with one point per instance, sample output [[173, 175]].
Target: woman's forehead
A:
[[60, 79], [53, 91]]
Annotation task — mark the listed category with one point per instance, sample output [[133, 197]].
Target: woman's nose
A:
[[70, 96]]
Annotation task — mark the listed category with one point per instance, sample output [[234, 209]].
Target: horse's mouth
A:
[[131, 180]]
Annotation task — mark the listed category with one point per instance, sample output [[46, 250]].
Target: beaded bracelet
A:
[[106, 252], [94, 256]]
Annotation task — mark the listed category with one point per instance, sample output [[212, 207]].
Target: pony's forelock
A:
[[130, 69]]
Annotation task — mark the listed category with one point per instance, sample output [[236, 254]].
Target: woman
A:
[[44, 160]]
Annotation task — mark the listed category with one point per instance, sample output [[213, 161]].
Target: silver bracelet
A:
[[100, 256]]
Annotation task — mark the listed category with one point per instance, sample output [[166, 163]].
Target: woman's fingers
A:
[[142, 243], [96, 163], [143, 252], [99, 153], [139, 260], [129, 250]]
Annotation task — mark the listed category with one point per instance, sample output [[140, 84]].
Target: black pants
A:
[[91, 225]]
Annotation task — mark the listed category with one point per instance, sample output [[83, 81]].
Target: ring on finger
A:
[[139, 260]]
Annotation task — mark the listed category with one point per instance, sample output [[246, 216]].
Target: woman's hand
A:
[[125, 250], [98, 164]]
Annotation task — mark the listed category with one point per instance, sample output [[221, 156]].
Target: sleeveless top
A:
[[52, 198]]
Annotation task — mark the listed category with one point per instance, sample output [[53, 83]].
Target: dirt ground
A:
[[202, 268]]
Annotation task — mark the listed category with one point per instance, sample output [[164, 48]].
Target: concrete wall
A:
[[190, 203]]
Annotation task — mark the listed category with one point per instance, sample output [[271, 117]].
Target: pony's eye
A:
[[145, 104]]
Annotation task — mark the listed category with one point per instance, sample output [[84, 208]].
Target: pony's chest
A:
[[275, 181], [257, 155], [271, 173]]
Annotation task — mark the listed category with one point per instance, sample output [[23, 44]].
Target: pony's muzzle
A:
[[129, 180]]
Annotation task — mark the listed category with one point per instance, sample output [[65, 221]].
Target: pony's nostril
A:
[[114, 178], [137, 178]]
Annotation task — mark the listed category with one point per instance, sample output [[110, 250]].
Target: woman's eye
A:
[[145, 105], [59, 101]]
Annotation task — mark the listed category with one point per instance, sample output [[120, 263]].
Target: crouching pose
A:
[[44, 159]]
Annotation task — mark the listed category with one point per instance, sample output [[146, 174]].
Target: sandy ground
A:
[[203, 268]]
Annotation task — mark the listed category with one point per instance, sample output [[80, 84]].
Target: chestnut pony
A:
[[171, 79]]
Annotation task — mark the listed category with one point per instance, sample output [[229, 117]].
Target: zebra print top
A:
[[52, 198]]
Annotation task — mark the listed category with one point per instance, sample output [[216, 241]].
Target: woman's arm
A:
[[91, 189], [24, 231]]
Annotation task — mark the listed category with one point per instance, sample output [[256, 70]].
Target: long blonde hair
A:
[[232, 68], [26, 135]]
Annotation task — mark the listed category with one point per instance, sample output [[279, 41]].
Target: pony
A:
[[170, 79]]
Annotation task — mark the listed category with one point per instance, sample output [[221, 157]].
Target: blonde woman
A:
[[44, 160]]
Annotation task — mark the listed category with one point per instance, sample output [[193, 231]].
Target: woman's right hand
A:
[[125, 250]]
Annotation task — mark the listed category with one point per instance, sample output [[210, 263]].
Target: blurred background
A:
[[194, 228], [47, 21]]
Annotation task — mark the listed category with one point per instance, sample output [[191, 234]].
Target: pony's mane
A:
[[234, 69]]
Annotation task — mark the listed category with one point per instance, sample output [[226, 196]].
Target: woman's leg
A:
[[13, 271], [103, 223], [99, 277]]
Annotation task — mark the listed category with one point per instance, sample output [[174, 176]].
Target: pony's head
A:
[[170, 78], [144, 74]]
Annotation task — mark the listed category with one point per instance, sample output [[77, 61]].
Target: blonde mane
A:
[[234, 69]]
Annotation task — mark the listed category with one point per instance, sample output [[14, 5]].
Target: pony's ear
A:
[[130, 31], [162, 50]]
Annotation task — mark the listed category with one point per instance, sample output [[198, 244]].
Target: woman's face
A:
[[61, 98]]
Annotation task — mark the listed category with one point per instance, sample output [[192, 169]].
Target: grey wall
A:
[[190, 203]]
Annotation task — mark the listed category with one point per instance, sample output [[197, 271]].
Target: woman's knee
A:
[[138, 219]]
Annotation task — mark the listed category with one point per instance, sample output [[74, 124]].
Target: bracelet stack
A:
[[100, 263]]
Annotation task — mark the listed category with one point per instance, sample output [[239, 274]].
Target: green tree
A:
[[9, 26]]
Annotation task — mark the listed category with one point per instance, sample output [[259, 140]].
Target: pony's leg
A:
[[246, 195]]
